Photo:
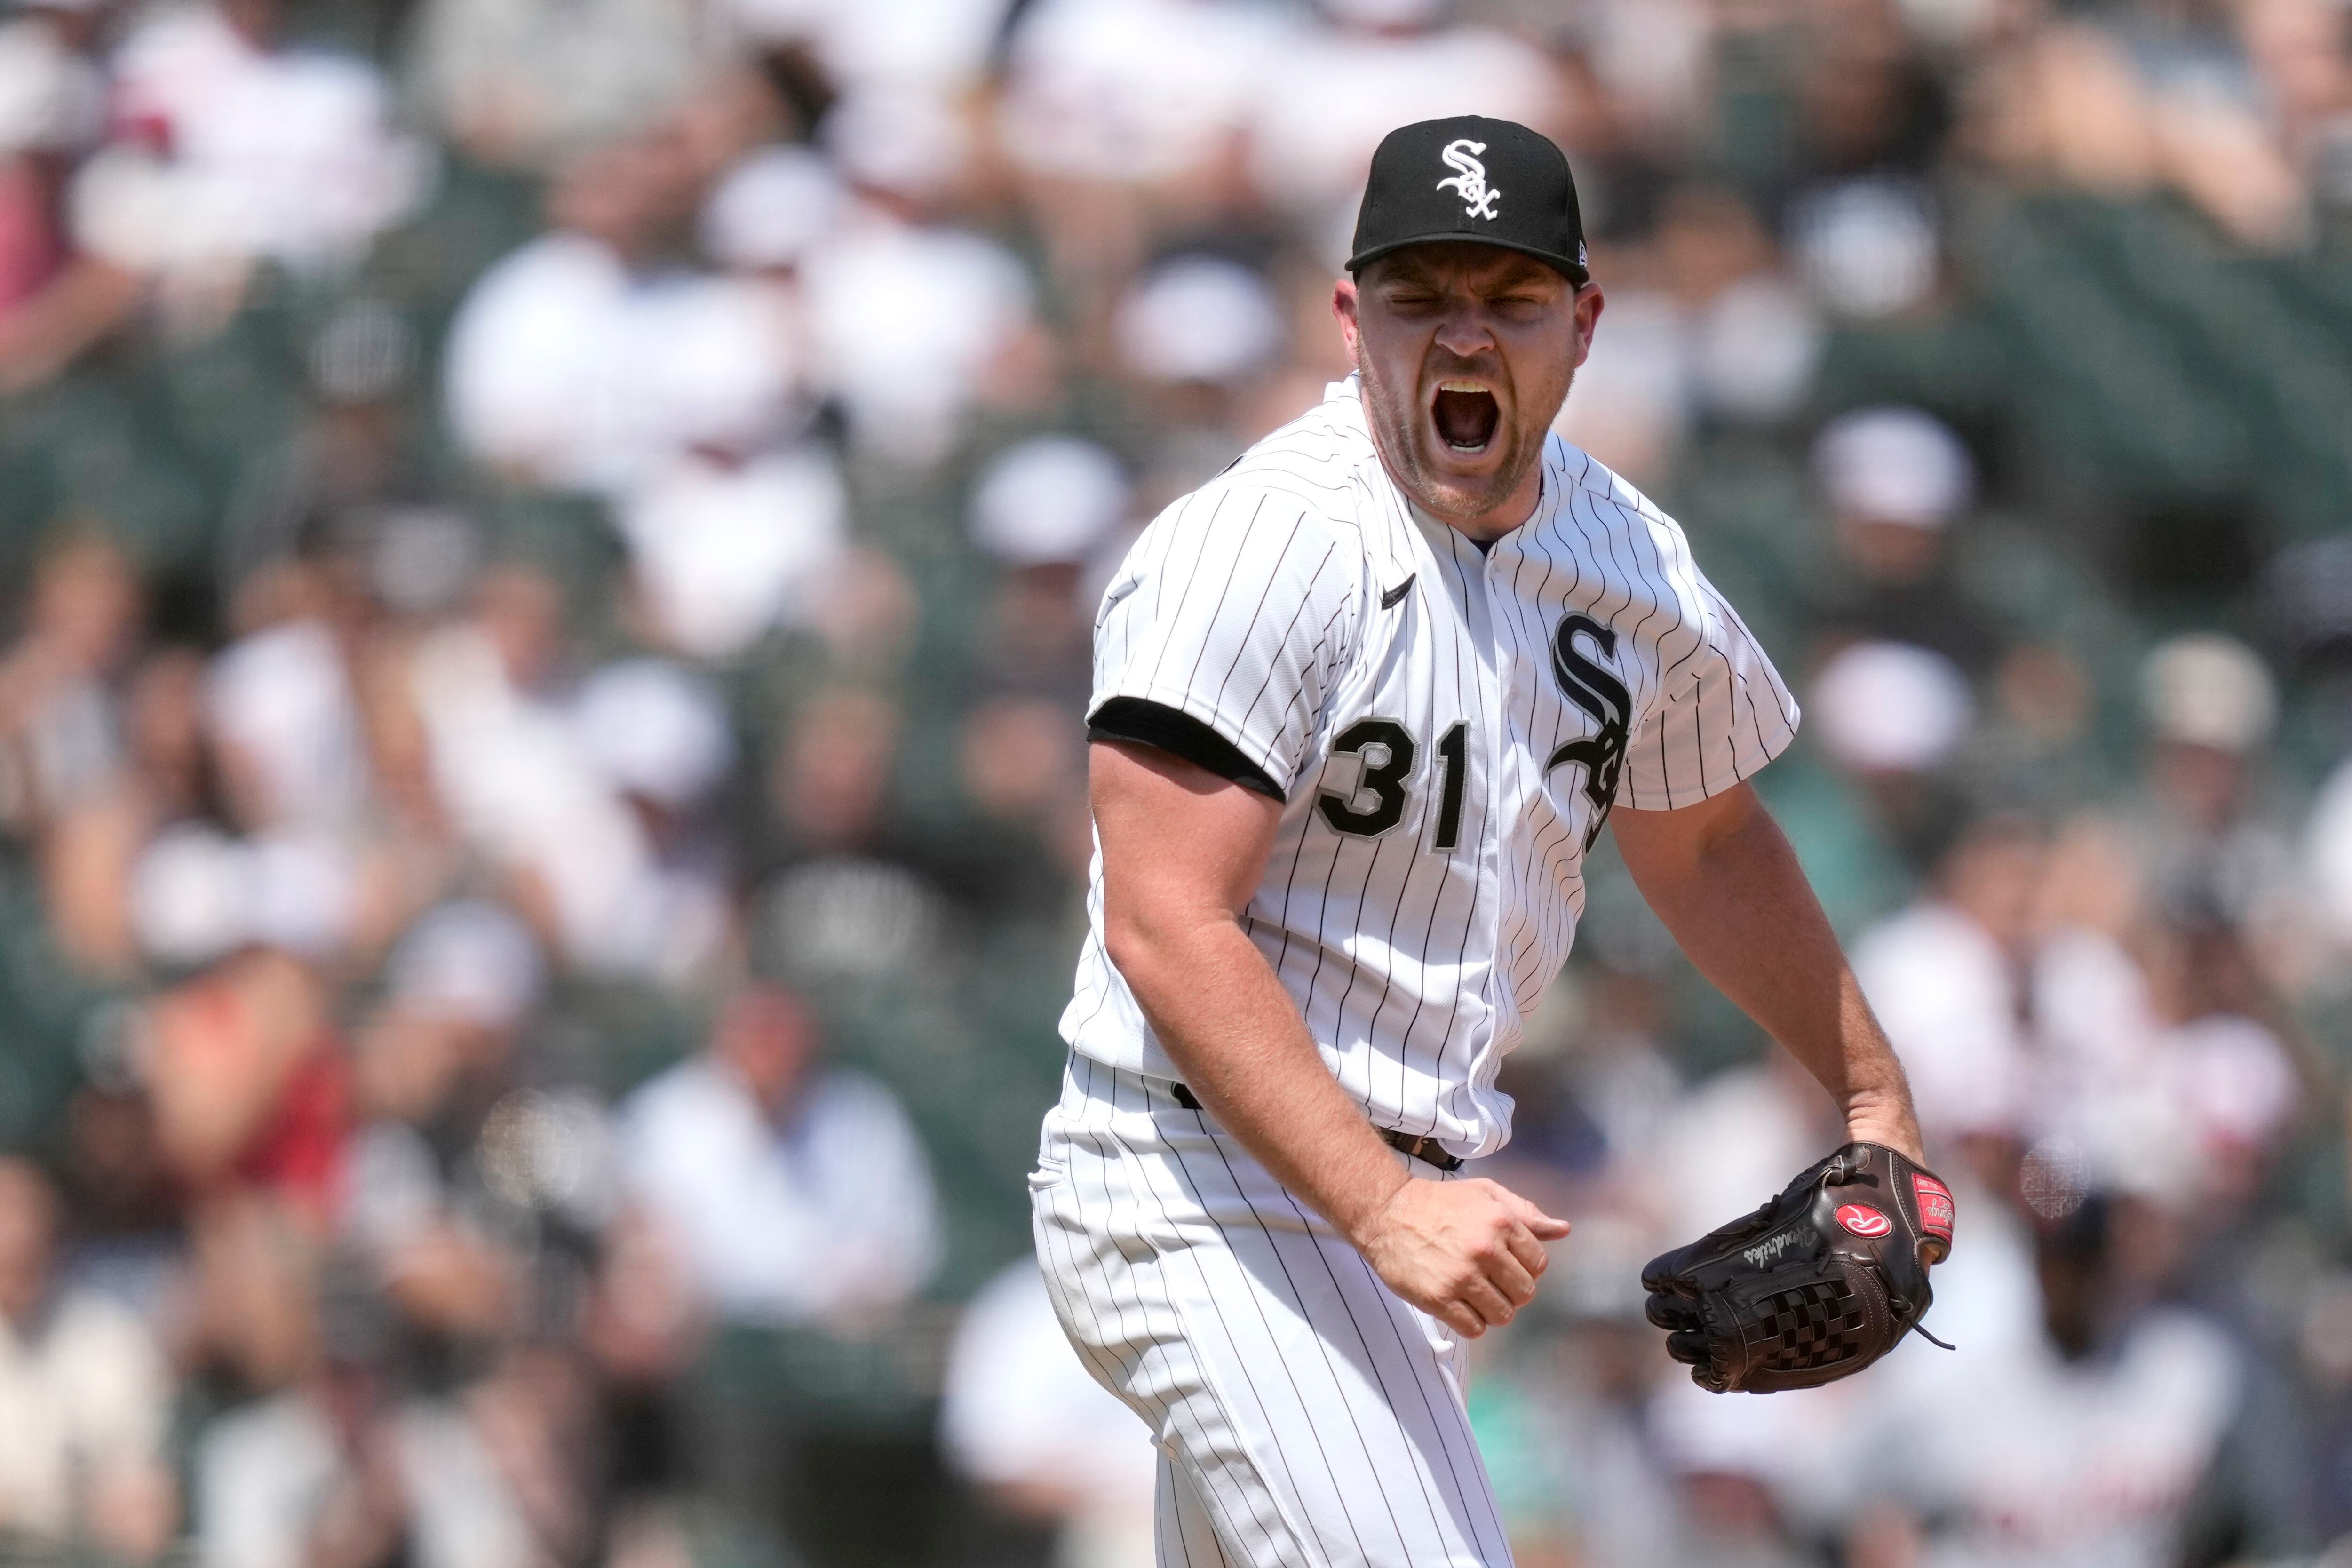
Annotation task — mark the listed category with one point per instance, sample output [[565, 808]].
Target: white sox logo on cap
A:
[[1469, 177]]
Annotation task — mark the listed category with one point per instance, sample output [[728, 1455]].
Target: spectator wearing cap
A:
[[1046, 510], [730, 543], [1891, 720], [1897, 481], [1892, 708], [433, 1062], [589, 360], [663, 742], [86, 1394], [1196, 335], [2213, 840], [918, 321], [264, 850], [723, 553]]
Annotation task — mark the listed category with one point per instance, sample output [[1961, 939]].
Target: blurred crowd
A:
[[550, 548]]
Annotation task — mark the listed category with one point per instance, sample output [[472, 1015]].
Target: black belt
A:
[[1428, 1150]]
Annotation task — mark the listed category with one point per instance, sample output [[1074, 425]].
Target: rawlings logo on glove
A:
[[1814, 1286]]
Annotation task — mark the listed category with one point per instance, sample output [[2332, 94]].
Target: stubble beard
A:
[[1400, 428]]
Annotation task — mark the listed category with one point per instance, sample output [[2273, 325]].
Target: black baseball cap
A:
[[1492, 181]]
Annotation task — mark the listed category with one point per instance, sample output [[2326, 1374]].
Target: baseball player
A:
[[1361, 705]]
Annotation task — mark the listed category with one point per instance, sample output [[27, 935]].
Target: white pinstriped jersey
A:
[[1449, 729]]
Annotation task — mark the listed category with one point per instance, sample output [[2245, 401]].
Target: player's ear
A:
[[1344, 301], [1588, 301]]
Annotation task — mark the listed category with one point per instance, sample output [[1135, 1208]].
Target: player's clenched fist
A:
[[1466, 1252]]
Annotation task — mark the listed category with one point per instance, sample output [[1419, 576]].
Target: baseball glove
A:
[[1814, 1286]]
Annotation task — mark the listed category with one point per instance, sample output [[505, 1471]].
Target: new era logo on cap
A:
[[1494, 182]]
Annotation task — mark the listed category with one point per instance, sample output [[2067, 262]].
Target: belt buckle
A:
[[1422, 1147]]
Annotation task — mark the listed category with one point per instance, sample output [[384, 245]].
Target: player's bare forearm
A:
[[1723, 879], [1182, 851]]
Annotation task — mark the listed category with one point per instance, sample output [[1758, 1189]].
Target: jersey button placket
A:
[[1501, 685]]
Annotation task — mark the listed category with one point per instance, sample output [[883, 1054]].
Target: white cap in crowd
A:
[[1894, 465], [280, 699], [899, 138], [723, 554], [1868, 248], [2205, 689], [771, 209], [1889, 707], [1053, 499], [1198, 318], [50, 98], [196, 894], [654, 730], [470, 961]]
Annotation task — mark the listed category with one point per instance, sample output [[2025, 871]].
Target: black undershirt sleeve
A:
[[1172, 729]]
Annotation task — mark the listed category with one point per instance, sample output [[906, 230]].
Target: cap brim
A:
[[1579, 276]]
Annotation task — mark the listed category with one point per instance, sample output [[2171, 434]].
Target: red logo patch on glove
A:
[[1864, 1220], [1936, 1210]]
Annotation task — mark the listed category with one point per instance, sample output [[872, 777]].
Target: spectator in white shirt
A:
[[586, 361], [797, 1191], [234, 146], [2101, 1442], [1949, 975], [914, 322], [85, 1397], [1021, 1417]]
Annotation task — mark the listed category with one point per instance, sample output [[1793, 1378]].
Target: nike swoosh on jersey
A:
[[1390, 600]]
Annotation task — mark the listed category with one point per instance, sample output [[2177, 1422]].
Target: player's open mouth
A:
[[1466, 414]]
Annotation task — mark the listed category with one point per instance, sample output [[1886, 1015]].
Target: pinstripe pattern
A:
[[1255, 605], [1304, 1414]]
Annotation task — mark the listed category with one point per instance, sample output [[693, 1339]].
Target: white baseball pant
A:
[[1304, 1414]]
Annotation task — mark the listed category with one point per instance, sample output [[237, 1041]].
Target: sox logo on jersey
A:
[[1604, 696], [1446, 729]]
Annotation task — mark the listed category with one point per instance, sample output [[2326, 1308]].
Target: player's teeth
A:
[[1461, 386]]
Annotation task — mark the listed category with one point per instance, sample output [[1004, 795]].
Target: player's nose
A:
[[1464, 332]]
